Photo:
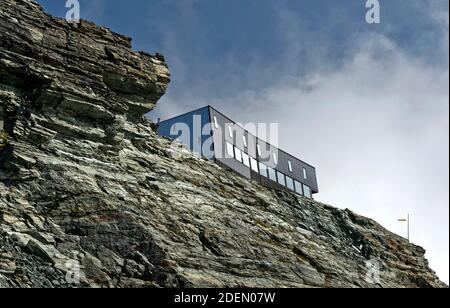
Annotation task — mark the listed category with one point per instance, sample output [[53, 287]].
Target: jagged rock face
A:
[[86, 186]]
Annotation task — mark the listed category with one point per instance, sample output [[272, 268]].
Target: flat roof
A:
[[186, 113]]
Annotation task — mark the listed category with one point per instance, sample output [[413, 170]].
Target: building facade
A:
[[211, 134]]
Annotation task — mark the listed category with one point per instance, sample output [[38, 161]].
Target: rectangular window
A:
[[290, 183], [263, 170], [307, 191], [246, 159], [258, 149], [230, 131], [275, 158], [305, 174], [290, 166], [238, 154], [298, 188], [230, 151], [216, 123], [244, 138], [254, 164], [272, 174], [281, 179]]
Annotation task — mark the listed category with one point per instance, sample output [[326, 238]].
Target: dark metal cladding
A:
[[217, 137]]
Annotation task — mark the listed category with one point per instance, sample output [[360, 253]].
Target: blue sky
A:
[[251, 37], [366, 104]]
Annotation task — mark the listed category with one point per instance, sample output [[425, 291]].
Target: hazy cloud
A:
[[376, 126]]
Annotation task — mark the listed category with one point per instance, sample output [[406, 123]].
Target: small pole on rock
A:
[[408, 228], [407, 225]]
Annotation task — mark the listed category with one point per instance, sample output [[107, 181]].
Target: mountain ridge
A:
[[91, 196]]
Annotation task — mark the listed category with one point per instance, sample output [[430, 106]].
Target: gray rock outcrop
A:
[[91, 196]]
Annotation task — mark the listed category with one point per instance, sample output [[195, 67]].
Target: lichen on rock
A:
[[87, 186]]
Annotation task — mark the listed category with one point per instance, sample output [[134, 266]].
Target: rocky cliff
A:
[[91, 196]]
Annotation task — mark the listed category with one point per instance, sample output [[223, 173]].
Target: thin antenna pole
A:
[[408, 229], [407, 220]]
